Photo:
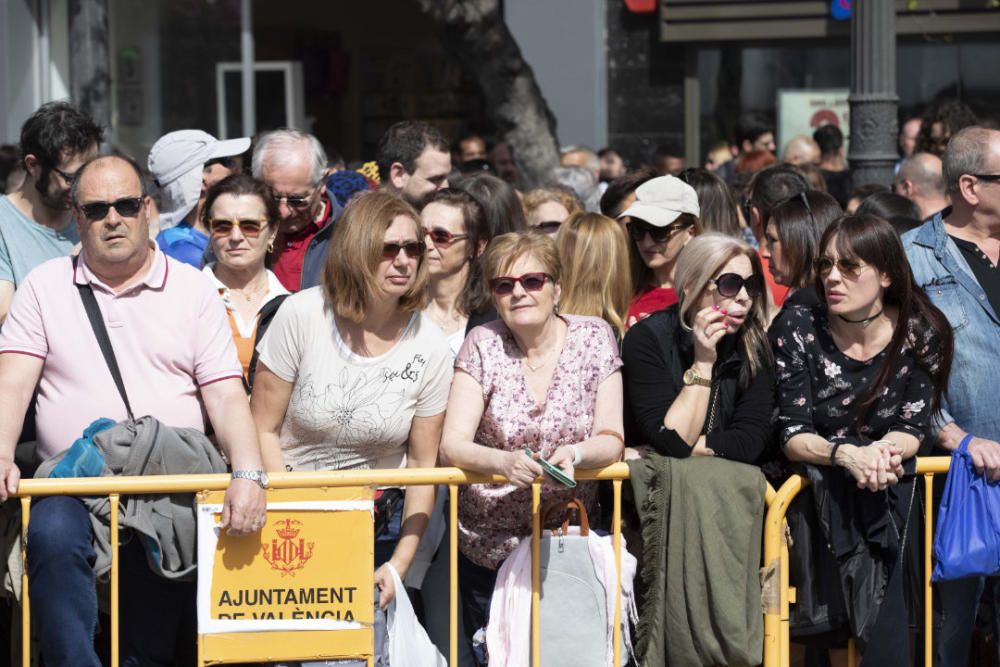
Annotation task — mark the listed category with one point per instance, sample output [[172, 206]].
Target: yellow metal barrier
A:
[[115, 487], [777, 644]]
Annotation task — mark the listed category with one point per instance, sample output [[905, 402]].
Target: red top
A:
[[778, 292], [648, 301], [289, 256]]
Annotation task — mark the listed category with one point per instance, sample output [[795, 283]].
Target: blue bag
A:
[[967, 539], [84, 458]]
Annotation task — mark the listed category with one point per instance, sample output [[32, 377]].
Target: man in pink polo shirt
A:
[[174, 347]]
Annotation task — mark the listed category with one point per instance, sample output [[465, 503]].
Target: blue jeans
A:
[[64, 599], [959, 602]]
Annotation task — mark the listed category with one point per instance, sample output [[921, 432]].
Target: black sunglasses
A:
[[442, 237], [549, 226], [730, 284], [65, 176], [531, 282], [987, 177], [412, 249], [638, 229], [127, 207]]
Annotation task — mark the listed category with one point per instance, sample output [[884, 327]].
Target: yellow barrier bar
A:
[[453, 574], [776, 619], [114, 579], [25, 599], [616, 530], [852, 653], [928, 548], [99, 486], [536, 579]]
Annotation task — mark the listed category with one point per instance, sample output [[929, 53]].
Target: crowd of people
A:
[[728, 324]]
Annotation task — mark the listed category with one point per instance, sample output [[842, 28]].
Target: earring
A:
[[555, 308], [270, 247]]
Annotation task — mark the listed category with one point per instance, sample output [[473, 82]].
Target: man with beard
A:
[[413, 161], [36, 220]]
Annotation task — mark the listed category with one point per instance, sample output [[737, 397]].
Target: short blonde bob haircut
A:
[[535, 198], [596, 279], [356, 251], [698, 263], [504, 250]]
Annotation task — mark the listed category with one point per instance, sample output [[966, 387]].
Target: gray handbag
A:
[[574, 619]]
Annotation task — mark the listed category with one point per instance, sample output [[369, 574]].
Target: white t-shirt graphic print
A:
[[349, 411]]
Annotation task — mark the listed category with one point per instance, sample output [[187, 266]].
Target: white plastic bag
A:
[[409, 645]]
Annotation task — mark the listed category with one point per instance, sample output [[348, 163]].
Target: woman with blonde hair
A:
[[596, 281], [698, 375], [352, 374], [548, 208]]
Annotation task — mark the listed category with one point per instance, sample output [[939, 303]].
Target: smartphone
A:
[[553, 471]]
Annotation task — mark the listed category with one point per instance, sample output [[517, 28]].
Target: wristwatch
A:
[[258, 476], [690, 377]]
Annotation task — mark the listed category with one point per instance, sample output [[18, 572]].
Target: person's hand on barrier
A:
[[868, 465], [244, 510], [10, 476], [985, 457], [386, 587], [519, 469], [561, 458], [893, 455]]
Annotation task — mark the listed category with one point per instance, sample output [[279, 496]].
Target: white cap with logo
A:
[[176, 162], [659, 201]]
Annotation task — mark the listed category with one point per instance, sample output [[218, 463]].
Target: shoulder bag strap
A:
[[101, 332]]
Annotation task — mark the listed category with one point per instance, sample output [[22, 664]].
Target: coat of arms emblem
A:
[[288, 552]]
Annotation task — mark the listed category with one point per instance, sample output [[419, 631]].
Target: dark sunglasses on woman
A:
[[730, 284], [127, 207], [442, 237], [413, 249], [847, 267], [249, 228], [638, 229], [549, 226], [531, 282]]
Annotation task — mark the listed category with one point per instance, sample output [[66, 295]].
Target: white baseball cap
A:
[[176, 162], [659, 201]]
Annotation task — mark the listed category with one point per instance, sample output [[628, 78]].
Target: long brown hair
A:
[[875, 242]]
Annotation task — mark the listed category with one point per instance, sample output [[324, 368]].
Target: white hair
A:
[[278, 147]]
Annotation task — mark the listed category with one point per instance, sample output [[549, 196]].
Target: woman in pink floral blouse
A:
[[534, 379]]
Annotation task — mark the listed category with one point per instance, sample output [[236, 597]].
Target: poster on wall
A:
[[802, 111]]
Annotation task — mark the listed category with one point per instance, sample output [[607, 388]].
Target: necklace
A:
[[543, 364], [249, 295], [862, 321]]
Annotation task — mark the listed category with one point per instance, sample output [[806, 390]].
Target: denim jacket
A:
[[973, 400]]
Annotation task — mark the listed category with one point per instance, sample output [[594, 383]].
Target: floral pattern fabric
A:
[[819, 387], [494, 517]]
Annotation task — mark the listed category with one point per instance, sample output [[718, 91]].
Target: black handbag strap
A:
[[101, 332]]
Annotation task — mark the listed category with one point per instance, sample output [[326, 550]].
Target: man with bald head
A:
[[173, 344], [799, 150], [955, 258], [920, 180]]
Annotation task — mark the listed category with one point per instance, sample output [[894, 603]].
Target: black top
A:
[[656, 352], [986, 274], [819, 386]]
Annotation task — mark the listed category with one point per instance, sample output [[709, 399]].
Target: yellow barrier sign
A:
[[309, 569]]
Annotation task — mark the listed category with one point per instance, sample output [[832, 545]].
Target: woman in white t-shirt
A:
[[454, 227], [353, 375]]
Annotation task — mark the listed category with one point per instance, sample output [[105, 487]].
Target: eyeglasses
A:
[[413, 249], [987, 177], [730, 284], [549, 226], [249, 228], [293, 201], [442, 237], [847, 267], [531, 282], [66, 177], [127, 207], [638, 229]]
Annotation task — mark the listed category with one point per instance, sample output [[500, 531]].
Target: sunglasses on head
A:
[[249, 228], [730, 284], [531, 282], [413, 249], [549, 226], [442, 237], [638, 229], [127, 207], [847, 267], [293, 201]]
